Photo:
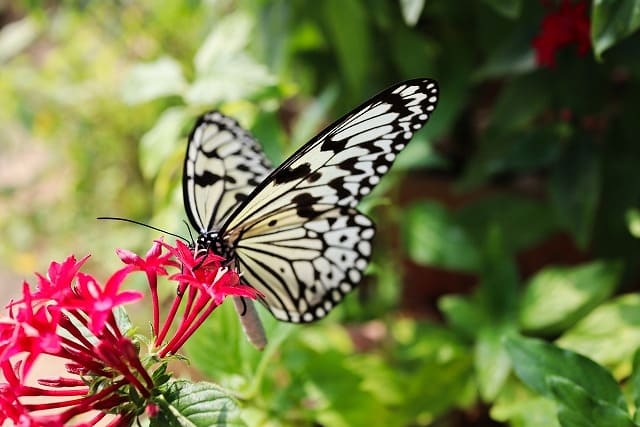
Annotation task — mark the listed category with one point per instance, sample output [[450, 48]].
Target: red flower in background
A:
[[566, 25]]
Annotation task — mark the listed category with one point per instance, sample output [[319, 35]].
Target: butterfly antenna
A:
[[114, 218], [186, 224]]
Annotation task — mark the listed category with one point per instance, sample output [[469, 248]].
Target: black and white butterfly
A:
[[293, 232]]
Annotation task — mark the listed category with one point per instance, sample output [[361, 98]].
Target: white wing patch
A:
[[222, 166]]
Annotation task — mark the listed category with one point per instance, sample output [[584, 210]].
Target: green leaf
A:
[[633, 222], [152, 80], [634, 383], [122, 319], [464, 313], [236, 79], [518, 406], [612, 21], [491, 360], [267, 128], [237, 364], [161, 140], [224, 69], [577, 408], [557, 297], [432, 237], [575, 189], [348, 29], [535, 361], [428, 354], [411, 10], [196, 405], [228, 37], [508, 8], [499, 285], [221, 335], [610, 334]]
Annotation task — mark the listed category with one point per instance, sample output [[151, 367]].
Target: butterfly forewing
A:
[[222, 166], [345, 161]]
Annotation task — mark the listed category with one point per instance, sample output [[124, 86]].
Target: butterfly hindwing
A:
[[303, 268], [224, 163]]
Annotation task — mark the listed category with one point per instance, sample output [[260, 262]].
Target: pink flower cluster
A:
[[70, 316], [566, 25]]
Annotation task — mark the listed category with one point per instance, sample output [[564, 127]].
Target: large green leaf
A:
[[196, 405], [519, 406], [536, 361], [577, 408], [491, 360], [160, 78], [557, 297], [612, 21], [635, 385], [227, 39], [610, 334]]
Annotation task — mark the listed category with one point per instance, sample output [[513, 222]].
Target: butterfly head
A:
[[212, 241]]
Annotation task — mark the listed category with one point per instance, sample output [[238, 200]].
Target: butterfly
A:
[[293, 232]]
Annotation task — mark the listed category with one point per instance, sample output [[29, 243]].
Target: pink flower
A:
[[70, 316], [100, 301], [154, 261], [568, 24]]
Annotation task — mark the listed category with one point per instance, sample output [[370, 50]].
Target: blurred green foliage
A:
[[526, 180]]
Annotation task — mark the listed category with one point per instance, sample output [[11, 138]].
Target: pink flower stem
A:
[[170, 316], [110, 356], [122, 420], [37, 391], [152, 278], [179, 340], [67, 324], [113, 326], [91, 403]]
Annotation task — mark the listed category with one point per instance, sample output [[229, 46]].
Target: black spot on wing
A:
[[304, 205], [314, 176], [288, 174], [207, 178], [338, 185], [333, 145]]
